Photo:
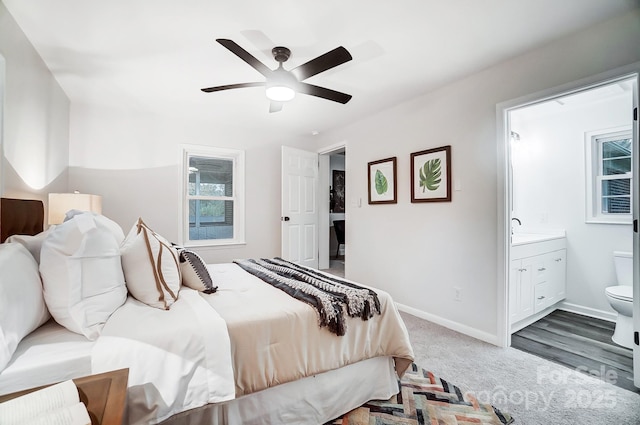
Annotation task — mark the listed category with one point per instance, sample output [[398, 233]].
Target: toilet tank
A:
[[624, 267]]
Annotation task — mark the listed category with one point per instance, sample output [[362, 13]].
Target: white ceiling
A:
[[156, 54], [617, 90]]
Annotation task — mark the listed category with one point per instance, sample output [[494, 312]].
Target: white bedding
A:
[[172, 367], [276, 338], [181, 369], [313, 400], [53, 353], [49, 354]]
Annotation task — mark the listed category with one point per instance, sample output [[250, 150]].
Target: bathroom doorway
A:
[[555, 194], [571, 180]]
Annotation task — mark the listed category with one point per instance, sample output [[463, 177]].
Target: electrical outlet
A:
[[457, 294]]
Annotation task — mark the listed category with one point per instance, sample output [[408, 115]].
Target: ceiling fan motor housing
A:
[[281, 54]]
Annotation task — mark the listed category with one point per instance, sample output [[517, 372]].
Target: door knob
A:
[[285, 219]]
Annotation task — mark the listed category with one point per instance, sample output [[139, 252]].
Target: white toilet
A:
[[621, 298]]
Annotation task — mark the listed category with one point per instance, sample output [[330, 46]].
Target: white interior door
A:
[[299, 220]]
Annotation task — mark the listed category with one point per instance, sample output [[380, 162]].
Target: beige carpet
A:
[[336, 267], [533, 390]]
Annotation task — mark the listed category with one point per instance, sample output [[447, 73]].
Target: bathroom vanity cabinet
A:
[[537, 278]]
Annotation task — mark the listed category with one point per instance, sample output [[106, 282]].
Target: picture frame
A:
[[431, 175], [382, 181]]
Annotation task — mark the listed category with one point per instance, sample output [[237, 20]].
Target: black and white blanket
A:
[[328, 295]]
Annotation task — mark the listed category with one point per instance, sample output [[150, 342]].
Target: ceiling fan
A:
[[282, 85]]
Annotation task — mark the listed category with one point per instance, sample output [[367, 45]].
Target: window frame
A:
[[238, 194], [594, 176]]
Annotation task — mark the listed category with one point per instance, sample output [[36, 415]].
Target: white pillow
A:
[[32, 243], [194, 272], [22, 307], [150, 267], [82, 274]]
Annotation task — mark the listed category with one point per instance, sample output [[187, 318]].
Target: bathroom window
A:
[[213, 199], [609, 177]]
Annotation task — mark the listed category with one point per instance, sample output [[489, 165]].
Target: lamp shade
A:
[[60, 203]]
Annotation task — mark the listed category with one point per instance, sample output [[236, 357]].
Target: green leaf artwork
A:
[[430, 174], [382, 185]]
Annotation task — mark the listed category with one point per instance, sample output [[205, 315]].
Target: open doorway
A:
[[570, 187], [571, 172], [332, 242]]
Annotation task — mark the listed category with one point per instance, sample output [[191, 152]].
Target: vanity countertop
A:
[[526, 244], [527, 238]]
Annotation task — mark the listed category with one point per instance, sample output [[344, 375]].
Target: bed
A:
[[247, 354]]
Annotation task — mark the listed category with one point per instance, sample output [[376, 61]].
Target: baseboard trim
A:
[[533, 318], [588, 311], [450, 324]]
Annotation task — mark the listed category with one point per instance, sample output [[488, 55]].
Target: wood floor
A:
[[578, 342]]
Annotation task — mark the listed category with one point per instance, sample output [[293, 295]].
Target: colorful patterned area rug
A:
[[425, 399]]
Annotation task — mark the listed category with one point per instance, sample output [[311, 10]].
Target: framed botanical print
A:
[[431, 175], [382, 181]]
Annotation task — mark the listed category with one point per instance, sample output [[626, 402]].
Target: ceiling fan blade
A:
[[324, 93], [233, 86], [245, 56], [329, 60], [275, 106]]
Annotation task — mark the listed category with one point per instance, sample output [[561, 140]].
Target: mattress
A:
[[49, 354], [313, 400]]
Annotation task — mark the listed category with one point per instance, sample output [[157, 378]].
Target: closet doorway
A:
[[333, 200]]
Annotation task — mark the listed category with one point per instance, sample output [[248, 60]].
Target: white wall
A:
[[36, 120], [550, 189], [132, 158], [420, 252]]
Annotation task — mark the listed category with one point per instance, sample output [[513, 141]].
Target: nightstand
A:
[[105, 395]]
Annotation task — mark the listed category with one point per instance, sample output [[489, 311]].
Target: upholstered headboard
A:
[[20, 217]]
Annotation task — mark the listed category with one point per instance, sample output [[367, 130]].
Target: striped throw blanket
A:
[[330, 296]]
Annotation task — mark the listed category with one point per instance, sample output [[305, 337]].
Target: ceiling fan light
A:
[[280, 93]]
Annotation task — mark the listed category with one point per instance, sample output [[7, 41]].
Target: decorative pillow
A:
[[81, 272], [32, 243], [150, 267], [194, 272], [22, 307]]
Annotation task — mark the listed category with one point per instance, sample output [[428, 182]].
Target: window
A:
[[609, 177], [213, 196]]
